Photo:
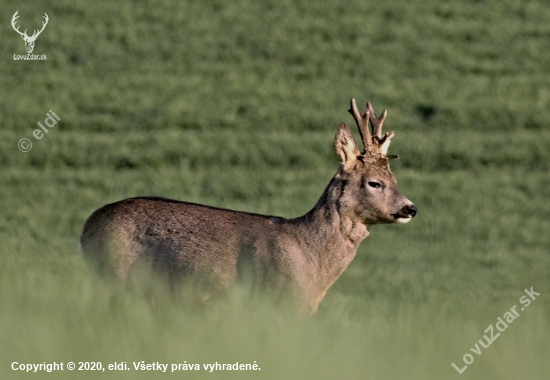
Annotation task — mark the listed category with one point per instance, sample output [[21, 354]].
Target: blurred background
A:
[[235, 104]]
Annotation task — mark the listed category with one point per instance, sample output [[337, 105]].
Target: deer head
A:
[[29, 41], [369, 193]]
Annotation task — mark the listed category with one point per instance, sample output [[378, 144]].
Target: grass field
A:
[[235, 104]]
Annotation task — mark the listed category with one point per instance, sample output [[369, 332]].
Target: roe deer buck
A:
[[302, 257]]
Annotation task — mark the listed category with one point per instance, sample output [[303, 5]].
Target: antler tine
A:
[[13, 22], [362, 121], [376, 122], [14, 18]]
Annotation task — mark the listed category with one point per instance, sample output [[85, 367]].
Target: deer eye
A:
[[374, 184]]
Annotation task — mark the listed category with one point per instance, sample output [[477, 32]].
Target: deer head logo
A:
[[29, 40]]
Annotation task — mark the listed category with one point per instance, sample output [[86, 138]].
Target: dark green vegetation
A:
[[235, 104]]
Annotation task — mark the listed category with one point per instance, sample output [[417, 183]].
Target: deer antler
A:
[[35, 34], [362, 121], [372, 140], [44, 23], [13, 20], [377, 123]]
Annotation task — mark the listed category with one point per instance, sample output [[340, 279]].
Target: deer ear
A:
[[345, 146]]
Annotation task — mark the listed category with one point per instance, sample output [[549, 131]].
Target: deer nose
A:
[[411, 210]]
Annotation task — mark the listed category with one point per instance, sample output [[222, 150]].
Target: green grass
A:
[[236, 105]]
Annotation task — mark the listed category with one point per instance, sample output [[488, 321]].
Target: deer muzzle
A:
[[406, 213]]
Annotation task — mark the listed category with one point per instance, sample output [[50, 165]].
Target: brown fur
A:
[[301, 257]]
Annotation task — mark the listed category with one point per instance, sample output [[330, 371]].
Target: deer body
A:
[[301, 257]]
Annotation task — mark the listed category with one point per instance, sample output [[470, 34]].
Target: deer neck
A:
[[332, 234]]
